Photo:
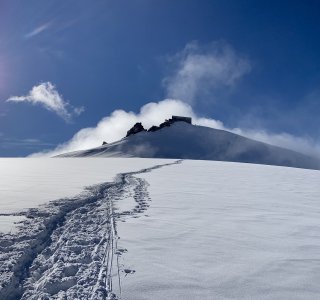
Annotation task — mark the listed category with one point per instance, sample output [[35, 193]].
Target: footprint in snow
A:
[[128, 271]]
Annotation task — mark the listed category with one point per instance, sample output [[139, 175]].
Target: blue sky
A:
[[253, 65]]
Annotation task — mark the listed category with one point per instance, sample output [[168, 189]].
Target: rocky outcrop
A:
[[169, 122], [138, 126], [135, 129], [153, 128]]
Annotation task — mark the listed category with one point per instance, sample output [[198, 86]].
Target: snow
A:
[[45, 225], [8, 223], [164, 229], [27, 183], [225, 231], [184, 141]]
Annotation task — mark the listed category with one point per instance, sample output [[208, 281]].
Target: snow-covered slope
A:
[[219, 230], [185, 141], [171, 230], [27, 183]]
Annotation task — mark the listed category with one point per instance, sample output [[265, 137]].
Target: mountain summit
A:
[[180, 139]]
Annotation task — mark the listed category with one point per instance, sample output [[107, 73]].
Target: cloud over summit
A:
[[199, 72], [203, 71], [115, 126]]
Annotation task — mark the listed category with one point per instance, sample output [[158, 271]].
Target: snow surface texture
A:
[[8, 223], [67, 248], [177, 230], [220, 230], [27, 183], [185, 141]]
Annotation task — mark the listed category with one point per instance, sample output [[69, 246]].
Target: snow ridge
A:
[[69, 249]]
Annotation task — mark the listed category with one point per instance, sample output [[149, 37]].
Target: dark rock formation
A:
[[138, 126], [135, 129], [153, 128], [104, 143], [166, 123], [169, 122]]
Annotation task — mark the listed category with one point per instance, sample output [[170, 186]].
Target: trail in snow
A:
[[69, 249]]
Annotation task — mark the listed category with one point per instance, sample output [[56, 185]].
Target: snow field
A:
[[218, 230], [166, 229], [30, 182], [67, 249]]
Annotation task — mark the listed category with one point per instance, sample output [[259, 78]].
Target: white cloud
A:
[[115, 126], [46, 94], [37, 30], [199, 72], [203, 71], [31, 143]]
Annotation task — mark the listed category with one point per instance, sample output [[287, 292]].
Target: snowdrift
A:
[[185, 141]]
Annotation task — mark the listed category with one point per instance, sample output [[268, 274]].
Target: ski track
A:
[[68, 249]]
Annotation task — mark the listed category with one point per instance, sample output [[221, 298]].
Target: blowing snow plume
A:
[[181, 140], [204, 72], [114, 127]]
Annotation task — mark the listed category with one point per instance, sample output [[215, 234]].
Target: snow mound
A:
[[185, 141]]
